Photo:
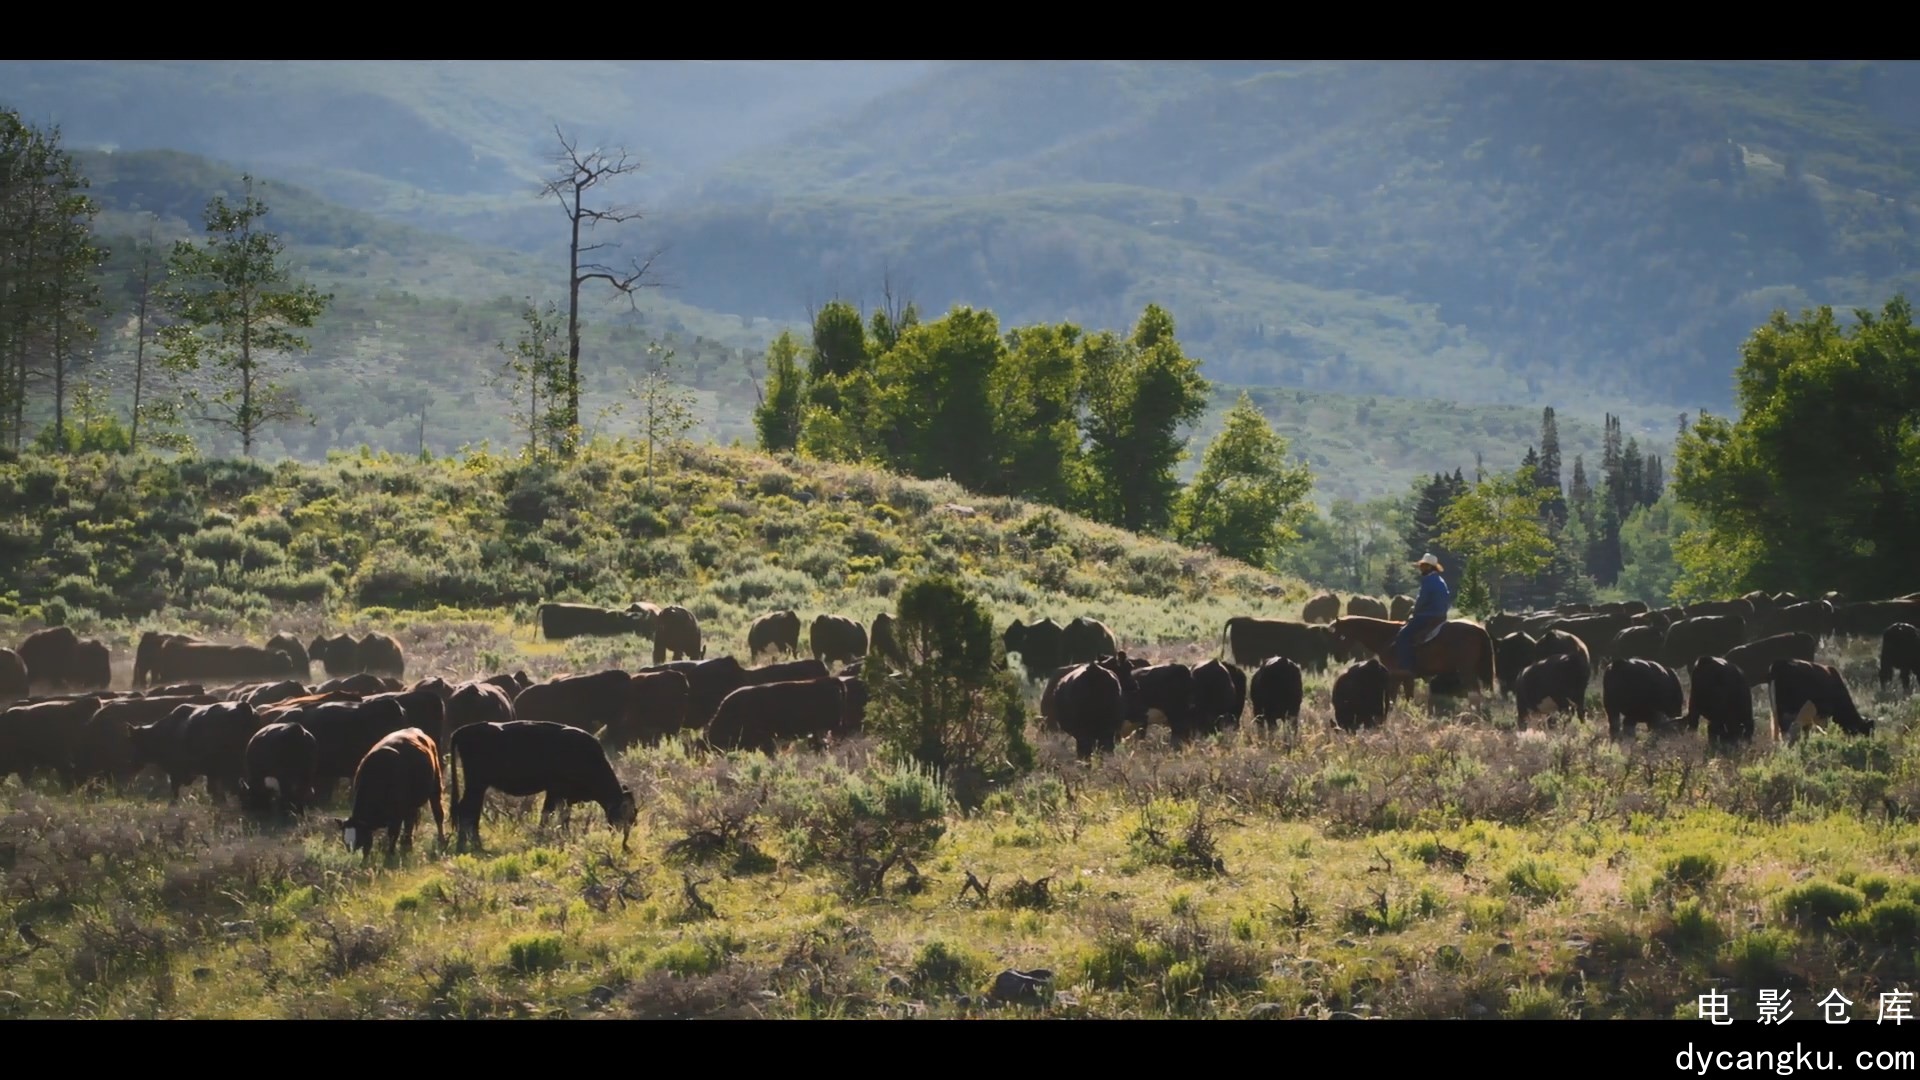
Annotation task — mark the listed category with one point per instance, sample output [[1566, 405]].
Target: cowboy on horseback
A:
[[1429, 610]]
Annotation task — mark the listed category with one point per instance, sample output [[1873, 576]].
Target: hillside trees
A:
[[575, 174], [1817, 485], [1093, 423], [50, 267], [233, 304], [1497, 524], [1247, 499], [535, 374]]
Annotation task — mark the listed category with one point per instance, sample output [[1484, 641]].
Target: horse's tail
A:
[[1486, 661]]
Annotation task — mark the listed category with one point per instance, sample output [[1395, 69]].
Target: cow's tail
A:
[[453, 770], [1486, 664], [1226, 633]]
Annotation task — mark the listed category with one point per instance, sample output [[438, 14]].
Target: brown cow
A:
[[42, 735], [199, 740], [287, 643], [836, 639], [1087, 704], [13, 677], [1755, 659], [1705, 635], [676, 631], [1323, 608], [885, 641], [1248, 641], [399, 775], [104, 750], [752, 717], [656, 708], [147, 653], [774, 632], [478, 703], [180, 661], [380, 654], [593, 703], [1369, 607]]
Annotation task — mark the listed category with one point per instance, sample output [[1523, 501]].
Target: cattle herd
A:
[[246, 719]]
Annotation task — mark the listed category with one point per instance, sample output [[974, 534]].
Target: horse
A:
[[1455, 647]]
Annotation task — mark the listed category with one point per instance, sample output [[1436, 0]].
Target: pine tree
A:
[[1549, 469], [1653, 481], [1581, 494]]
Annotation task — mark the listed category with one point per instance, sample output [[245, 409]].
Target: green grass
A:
[[1439, 867]]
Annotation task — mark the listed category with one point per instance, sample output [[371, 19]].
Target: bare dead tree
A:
[[574, 175]]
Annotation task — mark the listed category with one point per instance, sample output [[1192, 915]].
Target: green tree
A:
[[933, 403], [953, 709], [1247, 500], [1036, 431], [1497, 525], [666, 408], [1139, 395], [234, 304], [1817, 485], [535, 372], [777, 419]]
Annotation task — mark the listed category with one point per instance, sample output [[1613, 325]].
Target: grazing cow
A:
[[338, 655], [1806, 694], [885, 641], [1559, 680], [1214, 697], [1756, 658], [1323, 608], [1039, 645], [592, 703], [753, 717], [1276, 691], [42, 735], [1360, 695], [1900, 651], [1085, 641], [1637, 643], [477, 703], [13, 677], [1706, 635], [774, 632], [380, 654], [399, 775], [836, 639], [208, 662], [1640, 692], [147, 653], [1250, 642], [278, 774], [656, 708], [287, 643], [1368, 606], [199, 740], [104, 750], [525, 757], [48, 656], [1167, 692], [676, 631], [1719, 693], [559, 622], [1087, 705]]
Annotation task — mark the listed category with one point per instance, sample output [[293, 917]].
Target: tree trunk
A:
[[572, 415]]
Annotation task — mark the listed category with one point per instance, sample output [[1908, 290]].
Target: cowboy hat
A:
[[1429, 560]]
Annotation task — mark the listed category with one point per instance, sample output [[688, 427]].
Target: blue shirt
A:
[[1434, 599]]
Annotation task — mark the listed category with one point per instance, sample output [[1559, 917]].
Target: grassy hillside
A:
[[729, 534], [1440, 867]]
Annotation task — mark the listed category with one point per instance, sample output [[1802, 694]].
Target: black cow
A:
[[1087, 704], [1039, 646], [199, 740], [1806, 694], [677, 632], [279, 762], [1276, 691], [774, 632], [1085, 641], [885, 641], [1167, 689], [1755, 658], [1637, 691], [1360, 695], [836, 639], [753, 717], [559, 622], [1214, 696], [1719, 693], [522, 758], [1561, 679], [1900, 651], [397, 776]]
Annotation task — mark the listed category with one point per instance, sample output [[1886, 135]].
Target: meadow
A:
[[1440, 866]]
